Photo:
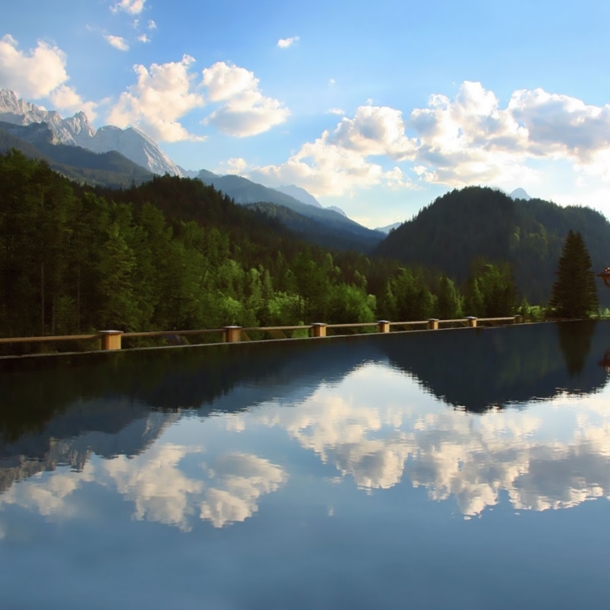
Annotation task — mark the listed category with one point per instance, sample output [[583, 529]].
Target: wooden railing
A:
[[113, 339]]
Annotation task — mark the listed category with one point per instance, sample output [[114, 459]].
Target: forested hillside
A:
[[475, 222], [174, 253], [170, 254]]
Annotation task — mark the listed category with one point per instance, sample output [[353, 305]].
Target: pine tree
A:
[[574, 292]]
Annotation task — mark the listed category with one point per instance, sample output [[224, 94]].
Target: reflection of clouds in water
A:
[[163, 493], [50, 496], [239, 480], [159, 489], [451, 453], [228, 490]]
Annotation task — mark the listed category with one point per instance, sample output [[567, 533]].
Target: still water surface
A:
[[457, 469]]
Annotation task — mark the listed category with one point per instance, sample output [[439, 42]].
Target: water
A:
[[456, 469]]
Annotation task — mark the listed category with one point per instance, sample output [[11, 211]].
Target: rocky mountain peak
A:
[[77, 131]]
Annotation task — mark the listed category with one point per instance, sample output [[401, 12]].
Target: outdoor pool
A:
[[465, 469]]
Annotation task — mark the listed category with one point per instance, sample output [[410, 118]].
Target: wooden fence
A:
[[113, 339]]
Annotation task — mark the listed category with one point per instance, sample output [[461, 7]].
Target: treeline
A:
[[176, 254]]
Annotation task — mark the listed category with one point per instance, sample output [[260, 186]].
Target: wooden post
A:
[[317, 329], [518, 320], [471, 321], [111, 339], [433, 324], [383, 326], [232, 334]]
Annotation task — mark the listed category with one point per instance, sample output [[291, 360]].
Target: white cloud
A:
[[65, 98], [470, 139], [337, 111], [117, 42], [284, 43], [245, 111], [133, 7], [337, 163], [144, 38], [151, 25], [375, 130], [162, 95], [34, 74], [331, 82]]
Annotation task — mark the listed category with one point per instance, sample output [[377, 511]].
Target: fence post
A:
[[317, 329], [232, 334], [471, 321], [111, 339], [383, 326], [432, 324], [518, 320]]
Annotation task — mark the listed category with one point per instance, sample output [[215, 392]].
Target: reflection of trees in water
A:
[[496, 367], [46, 400], [575, 342]]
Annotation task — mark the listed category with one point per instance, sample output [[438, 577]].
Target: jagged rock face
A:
[[35, 133], [77, 131]]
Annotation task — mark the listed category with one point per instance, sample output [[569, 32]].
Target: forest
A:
[[173, 253]]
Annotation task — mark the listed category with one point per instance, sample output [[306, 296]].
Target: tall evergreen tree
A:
[[574, 293]]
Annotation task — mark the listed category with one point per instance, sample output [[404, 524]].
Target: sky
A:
[[375, 107]]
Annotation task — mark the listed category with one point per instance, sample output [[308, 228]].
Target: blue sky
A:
[[375, 107]]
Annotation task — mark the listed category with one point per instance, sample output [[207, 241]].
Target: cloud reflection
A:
[[554, 455], [225, 490]]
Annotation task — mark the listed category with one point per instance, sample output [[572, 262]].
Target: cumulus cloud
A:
[[144, 38], [66, 99], [117, 42], [284, 43], [162, 94], [35, 74], [338, 162], [245, 110], [470, 139], [133, 7], [151, 25]]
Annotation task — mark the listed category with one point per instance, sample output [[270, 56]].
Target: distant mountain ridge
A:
[[246, 192], [77, 131]]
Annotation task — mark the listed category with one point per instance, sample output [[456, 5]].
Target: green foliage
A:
[[574, 293], [490, 291], [476, 222]]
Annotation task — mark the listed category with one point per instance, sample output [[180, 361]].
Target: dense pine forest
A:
[[174, 253]]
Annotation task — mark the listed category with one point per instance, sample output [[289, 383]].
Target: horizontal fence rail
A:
[[112, 339]]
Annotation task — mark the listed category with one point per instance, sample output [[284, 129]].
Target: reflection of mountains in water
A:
[[59, 410]]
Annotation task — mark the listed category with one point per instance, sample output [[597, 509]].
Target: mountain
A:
[[311, 230], [77, 131], [205, 176], [520, 194], [37, 141], [299, 194], [245, 192], [187, 173], [334, 208], [388, 228], [461, 226]]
